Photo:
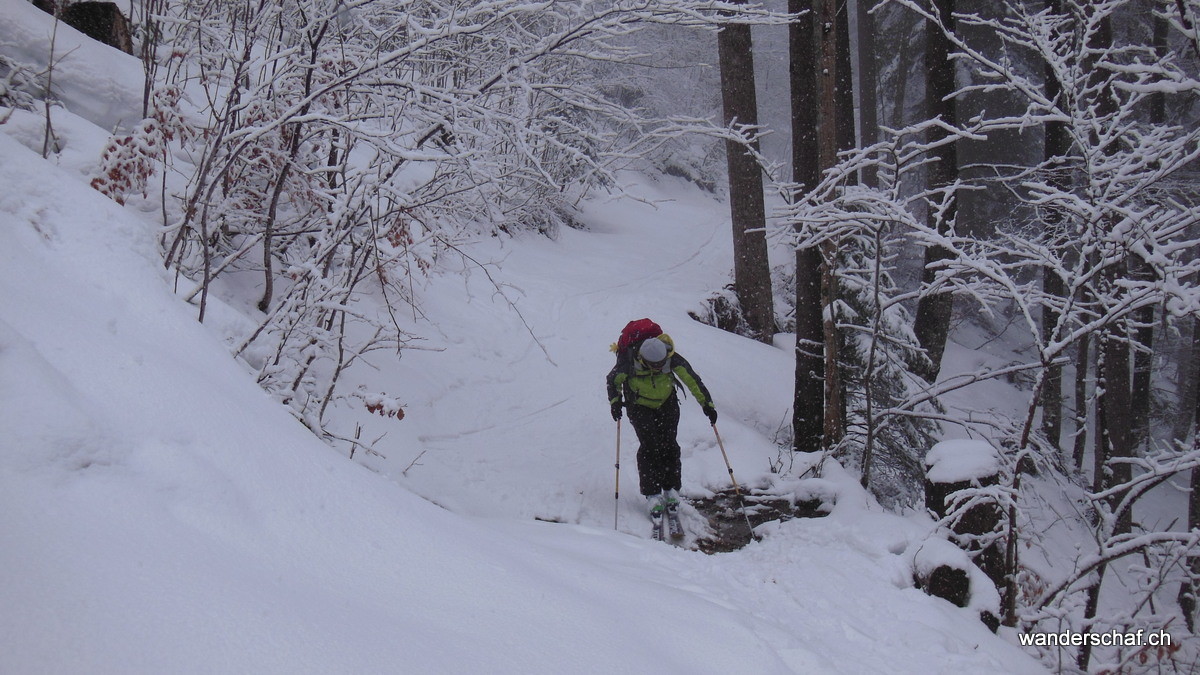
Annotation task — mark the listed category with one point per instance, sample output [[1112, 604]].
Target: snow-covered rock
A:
[[961, 460]]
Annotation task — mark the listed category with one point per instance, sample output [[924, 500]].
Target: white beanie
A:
[[653, 351]]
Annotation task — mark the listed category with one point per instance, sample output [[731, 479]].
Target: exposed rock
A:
[[101, 21]]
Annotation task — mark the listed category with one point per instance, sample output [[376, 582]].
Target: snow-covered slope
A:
[[159, 513], [92, 79]]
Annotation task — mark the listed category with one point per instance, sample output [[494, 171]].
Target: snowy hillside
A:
[[159, 513], [162, 515]]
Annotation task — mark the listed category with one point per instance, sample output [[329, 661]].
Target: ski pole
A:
[[727, 464], [736, 488], [617, 491]]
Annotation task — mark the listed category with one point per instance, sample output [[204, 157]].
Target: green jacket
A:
[[631, 382]]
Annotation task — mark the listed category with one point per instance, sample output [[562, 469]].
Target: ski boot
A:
[[671, 501], [658, 509]]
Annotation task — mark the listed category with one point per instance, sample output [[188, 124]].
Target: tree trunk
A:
[[1188, 589], [1143, 356], [844, 82], [845, 119], [1100, 450], [1143, 361], [1158, 101], [868, 72], [826, 35], [1051, 398], [751, 269], [1082, 360], [1055, 151], [934, 310], [1118, 435], [808, 417], [1084, 657], [1115, 436], [808, 406]]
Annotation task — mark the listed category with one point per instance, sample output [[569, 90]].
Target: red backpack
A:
[[634, 332]]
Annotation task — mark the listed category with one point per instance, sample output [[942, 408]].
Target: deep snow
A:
[[159, 513]]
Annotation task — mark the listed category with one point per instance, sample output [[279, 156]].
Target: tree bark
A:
[[808, 416], [751, 268], [1143, 361], [868, 73], [1082, 359], [1084, 657], [844, 82], [1115, 437], [934, 310], [1143, 356], [1051, 398], [826, 36], [846, 121], [1188, 589], [1118, 436], [1057, 147]]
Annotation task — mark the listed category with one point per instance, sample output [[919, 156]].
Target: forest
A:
[[895, 171]]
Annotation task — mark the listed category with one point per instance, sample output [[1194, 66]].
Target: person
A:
[[644, 382]]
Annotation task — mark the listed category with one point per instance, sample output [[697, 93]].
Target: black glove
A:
[[616, 411], [711, 411]]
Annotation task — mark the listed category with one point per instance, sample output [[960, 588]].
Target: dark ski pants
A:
[[658, 452]]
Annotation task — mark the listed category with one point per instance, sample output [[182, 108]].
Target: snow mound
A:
[[958, 461], [928, 555]]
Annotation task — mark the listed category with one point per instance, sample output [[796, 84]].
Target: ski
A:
[[656, 526], [674, 527]]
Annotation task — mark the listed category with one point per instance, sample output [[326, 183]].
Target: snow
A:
[[160, 513], [959, 460], [163, 514], [930, 554], [92, 79]]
